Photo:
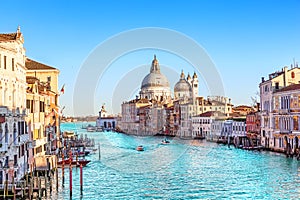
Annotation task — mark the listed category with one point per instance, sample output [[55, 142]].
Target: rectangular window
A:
[[42, 106], [13, 64], [276, 123], [295, 119], [31, 106], [28, 104], [276, 85], [15, 160], [4, 62]]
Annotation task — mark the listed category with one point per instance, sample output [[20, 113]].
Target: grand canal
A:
[[183, 169]]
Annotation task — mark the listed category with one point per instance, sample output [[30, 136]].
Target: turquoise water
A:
[[183, 169]]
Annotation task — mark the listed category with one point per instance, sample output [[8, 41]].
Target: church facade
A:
[[156, 112]]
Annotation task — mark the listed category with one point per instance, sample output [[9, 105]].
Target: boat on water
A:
[[81, 153], [75, 163], [140, 148], [91, 150], [90, 128], [165, 141]]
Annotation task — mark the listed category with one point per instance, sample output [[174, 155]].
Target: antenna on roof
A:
[[294, 62]]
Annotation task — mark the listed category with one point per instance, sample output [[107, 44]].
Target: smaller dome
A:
[[182, 85]]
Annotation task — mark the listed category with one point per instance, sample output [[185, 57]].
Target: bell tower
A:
[[195, 85]]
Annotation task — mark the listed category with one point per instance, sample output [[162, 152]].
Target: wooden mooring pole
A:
[[99, 151], [81, 180], [71, 159], [63, 169]]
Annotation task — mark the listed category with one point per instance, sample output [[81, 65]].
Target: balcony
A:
[[264, 112], [283, 111], [5, 111], [282, 131]]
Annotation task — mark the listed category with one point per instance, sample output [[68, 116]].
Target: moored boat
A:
[[82, 162]]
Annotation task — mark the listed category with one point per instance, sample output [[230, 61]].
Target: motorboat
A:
[[140, 148], [90, 128], [165, 141]]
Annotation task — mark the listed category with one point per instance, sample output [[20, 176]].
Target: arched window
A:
[[293, 74]]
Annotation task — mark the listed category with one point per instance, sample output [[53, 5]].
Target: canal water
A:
[[183, 169]]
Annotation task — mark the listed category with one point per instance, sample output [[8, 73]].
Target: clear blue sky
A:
[[245, 39]]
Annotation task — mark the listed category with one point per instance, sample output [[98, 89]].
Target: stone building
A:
[[286, 119], [13, 132], [276, 81], [160, 113]]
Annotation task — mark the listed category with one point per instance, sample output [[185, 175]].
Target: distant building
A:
[[243, 110], [105, 122], [214, 103], [156, 112]]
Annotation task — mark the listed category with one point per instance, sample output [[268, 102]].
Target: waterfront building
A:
[[146, 114], [201, 124], [130, 118], [253, 124], [276, 81], [45, 128], [286, 119], [105, 122], [222, 129], [13, 129], [40, 119], [170, 128], [184, 93]]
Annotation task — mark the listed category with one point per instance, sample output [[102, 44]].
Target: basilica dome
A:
[[155, 85], [155, 78]]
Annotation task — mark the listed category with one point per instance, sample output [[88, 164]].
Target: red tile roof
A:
[[34, 65], [8, 36], [211, 114], [289, 88]]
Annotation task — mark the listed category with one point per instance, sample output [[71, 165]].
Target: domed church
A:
[[182, 88], [155, 85]]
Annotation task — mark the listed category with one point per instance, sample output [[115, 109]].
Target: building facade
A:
[[13, 128], [276, 81], [286, 119]]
